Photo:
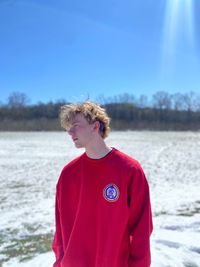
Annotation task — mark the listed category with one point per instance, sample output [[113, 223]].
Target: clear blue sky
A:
[[62, 49]]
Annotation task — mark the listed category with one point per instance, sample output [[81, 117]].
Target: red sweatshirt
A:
[[103, 213]]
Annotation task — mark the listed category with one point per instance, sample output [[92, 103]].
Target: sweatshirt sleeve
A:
[[140, 222], [57, 244]]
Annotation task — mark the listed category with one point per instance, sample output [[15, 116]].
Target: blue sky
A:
[[70, 50]]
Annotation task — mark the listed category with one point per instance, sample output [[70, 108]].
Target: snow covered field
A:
[[30, 164]]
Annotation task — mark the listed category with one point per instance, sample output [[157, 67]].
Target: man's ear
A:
[[96, 126]]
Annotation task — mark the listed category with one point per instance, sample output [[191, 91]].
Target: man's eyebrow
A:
[[73, 122]]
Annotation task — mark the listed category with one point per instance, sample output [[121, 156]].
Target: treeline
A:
[[163, 112]]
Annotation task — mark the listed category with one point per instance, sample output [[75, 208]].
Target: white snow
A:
[[30, 164], [42, 260]]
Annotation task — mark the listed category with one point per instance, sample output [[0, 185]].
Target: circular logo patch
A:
[[111, 193]]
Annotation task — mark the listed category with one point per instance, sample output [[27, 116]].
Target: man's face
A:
[[81, 131]]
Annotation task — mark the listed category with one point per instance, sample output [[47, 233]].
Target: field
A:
[[30, 164]]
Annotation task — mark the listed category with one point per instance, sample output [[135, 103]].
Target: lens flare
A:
[[178, 30]]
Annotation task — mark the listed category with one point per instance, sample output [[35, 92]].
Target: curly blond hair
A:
[[91, 111]]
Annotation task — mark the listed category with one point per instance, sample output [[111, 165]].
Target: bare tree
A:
[[143, 101], [101, 99], [17, 99], [190, 101], [162, 100], [126, 98], [178, 101], [198, 103]]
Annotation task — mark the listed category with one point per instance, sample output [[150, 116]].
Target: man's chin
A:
[[77, 145]]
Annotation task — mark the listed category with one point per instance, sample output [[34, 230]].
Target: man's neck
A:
[[98, 150]]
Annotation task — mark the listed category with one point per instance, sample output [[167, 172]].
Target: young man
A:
[[103, 211]]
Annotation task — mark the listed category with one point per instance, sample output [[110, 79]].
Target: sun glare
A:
[[178, 29]]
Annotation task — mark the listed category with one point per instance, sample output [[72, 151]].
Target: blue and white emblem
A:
[[111, 193]]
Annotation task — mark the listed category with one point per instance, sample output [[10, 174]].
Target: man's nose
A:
[[70, 131]]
